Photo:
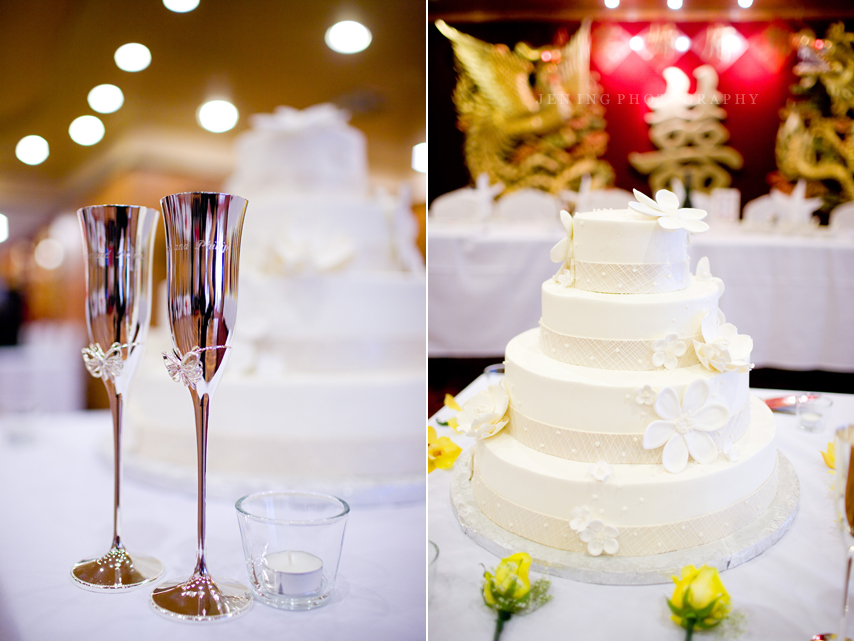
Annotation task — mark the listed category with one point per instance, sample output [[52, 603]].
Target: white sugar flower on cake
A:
[[600, 538], [580, 519], [646, 395], [564, 277], [723, 349], [562, 251], [486, 413], [670, 215], [682, 430], [600, 470], [666, 351], [704, 271]]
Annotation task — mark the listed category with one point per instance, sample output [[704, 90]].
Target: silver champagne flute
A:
[[844, 491], [202, 257], [118, 240]]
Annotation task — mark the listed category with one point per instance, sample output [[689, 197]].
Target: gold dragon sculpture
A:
[[811, 143], [530, 116]]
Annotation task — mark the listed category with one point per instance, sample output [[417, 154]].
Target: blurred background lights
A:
[[419, 157], [348, 37], [218, 116], [612, 4], [49, 253], [636, 43], [86, 130], [133, 57], [180, 6], [4, 228], [683, 43], [674, 4], [105, 99], [32, 150], [745, 4]]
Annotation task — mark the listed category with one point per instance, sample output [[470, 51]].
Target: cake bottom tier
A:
[[534, 495]]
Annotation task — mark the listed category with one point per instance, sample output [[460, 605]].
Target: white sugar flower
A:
[[580, 519], [562, 252], [485, 414], [723, 349], [600, 471], [730, 452], [646, 395], [704, 271], [564, 277], [670, 216], [667, 350], [682, 430], [600, 538]]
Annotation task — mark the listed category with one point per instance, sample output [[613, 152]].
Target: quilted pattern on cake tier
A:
[[611, 354], [631, 278], [591, 447], [633, 541]]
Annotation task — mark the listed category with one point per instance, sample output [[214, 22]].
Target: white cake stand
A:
[[641, 570]]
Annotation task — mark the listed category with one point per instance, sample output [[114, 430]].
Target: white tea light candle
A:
[[292, 572]]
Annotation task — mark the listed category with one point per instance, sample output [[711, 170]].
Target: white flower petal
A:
[[596, 525], [710, 418], [671, 222], [595, 547], [709, 327], [695, 396], [670, 361], [667, 200], [587, 535], [611, 546], [558, 252], [566, 219], [701, 447], [667, 404], [695, 226], [658, 359], [689, 213], [675, 454], [657, 434], [578, 512], [610, 532], [740, 347], [679, 348], [645, 200], [704, 271], [658, 344]]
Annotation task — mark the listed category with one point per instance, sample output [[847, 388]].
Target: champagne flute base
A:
[[201, 598], [117, 570]]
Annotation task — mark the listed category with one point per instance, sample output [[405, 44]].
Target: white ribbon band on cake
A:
[[633, 541], [632, 278], [612, 354], [591, 447]]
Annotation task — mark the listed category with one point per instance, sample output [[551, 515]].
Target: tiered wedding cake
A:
[[629, 428], [326, 375]]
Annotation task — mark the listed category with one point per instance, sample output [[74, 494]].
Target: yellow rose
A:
[[830, 455], [441, 452], [700, 599], [510, 581]]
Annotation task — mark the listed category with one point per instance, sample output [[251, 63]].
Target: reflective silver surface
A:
[[202, 258], [118, 242]]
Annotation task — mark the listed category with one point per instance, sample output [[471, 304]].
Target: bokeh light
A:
[[86, 130], [105, 99], [348, 37], [133, 57], [32, 150], [218, 116]]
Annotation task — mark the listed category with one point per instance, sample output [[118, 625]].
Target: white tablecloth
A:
[[793, 294], [791, 591], [56, 493]]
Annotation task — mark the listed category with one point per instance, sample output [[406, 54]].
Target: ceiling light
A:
[[105, 99], [348, 37], [745, 4], [180, 6], [419, 157], [49, 253], [133, 57], [86, 130], [683, 43], [32, 150], [636, 43], [612, 4], [4, 228], [218, 116], [674, 4]]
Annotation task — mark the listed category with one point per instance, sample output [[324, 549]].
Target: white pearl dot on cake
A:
[[510, 524], [525, 429], [641, 499], [634, 533], [545, 524], [635, 439], [574, 451], [628, 397], [683, 527], [596, 444], [557, 432], [686, 306], [700, 535], [625, 508], [616, 349], [602, 511], [595, 496], [623, 454], [554, 350], [660, 544], [566, 344], [634, 270], [604, 274], [542, 444]]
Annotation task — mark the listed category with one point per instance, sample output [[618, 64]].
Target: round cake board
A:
[[640, 570]]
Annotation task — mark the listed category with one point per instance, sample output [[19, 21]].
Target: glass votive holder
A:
[[432, 564], [812, 411], [292, 543]]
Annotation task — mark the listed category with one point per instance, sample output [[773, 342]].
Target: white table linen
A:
[[789, 592], [56, 492], [793, 294]]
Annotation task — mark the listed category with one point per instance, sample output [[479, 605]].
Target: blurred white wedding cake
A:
[[325, 385]]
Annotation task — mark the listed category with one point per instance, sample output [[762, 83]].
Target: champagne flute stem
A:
[[843, 625], [116, 411], [202, 407]]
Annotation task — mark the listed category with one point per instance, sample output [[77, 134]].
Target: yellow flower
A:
[[700, 599], [451, 402], [441, 452], [830, 456], [510, 581]]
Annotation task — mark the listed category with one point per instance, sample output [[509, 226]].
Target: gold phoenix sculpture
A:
[[531, 117]]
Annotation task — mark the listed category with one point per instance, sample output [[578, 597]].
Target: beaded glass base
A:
[[117, 571], [723, 554]]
